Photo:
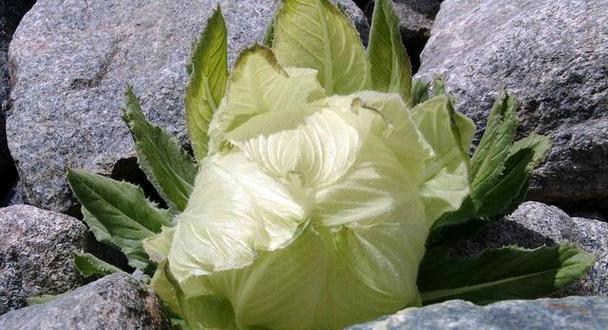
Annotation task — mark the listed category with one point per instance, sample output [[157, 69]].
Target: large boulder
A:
[[71, 61], [572, 313], [117, 301], [553, 55], [535, 224], [37, 254], [10, 14]]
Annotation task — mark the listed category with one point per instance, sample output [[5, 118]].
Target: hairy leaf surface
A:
[[89, 265], [118, 213], [170, 169], [487, 163], [501, 274], [208, 75]]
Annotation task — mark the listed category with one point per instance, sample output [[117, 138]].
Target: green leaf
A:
[[390, 66], [540, 144], [315, 34], [501, 274], [444, 180], [269, 34], [118, 213], [465, 213], [205, 88], [419, 92], [89, 265], [487, 164], [438, 87], [170, 169], [165, 289], [502, 173], [511, 188]]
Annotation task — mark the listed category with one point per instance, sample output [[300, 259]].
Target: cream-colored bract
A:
[[311, 212]]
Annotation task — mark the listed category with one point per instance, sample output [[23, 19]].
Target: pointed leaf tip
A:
[[89, 265], [315, 34], [207, 81], [166, 164], [390, 66]]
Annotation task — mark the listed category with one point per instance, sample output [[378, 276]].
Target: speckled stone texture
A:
[[572, 313], [10, 13], [416, 17], [117, 301], [71, 60], [535, 224], [553, 55], [36, 254]]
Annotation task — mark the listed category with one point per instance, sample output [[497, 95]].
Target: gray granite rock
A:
[[10, 14], [36, 254], [534, 224], [580, 313], [117, 301], [416, 17], [553, 56], [71, 60]]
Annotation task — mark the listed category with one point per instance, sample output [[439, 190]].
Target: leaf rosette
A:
[[323, 176]]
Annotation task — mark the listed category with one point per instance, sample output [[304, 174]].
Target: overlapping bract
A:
[[311, 211]]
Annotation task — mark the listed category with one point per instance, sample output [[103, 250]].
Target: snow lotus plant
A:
[[319, 172]]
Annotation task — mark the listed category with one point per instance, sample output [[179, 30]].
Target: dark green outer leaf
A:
[[438, 86], [420, 91], [509, 191], [462, 215], [507, 273], [208, 75], [118, 213], [89, 265], [494, 147], [170, 169], [539, 143], [269, 34], [512, 186], [390, 65]]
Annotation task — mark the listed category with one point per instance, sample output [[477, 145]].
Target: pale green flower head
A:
[[310, 212], [320, 171]]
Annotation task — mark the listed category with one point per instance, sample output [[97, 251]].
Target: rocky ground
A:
[[61, 86]]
